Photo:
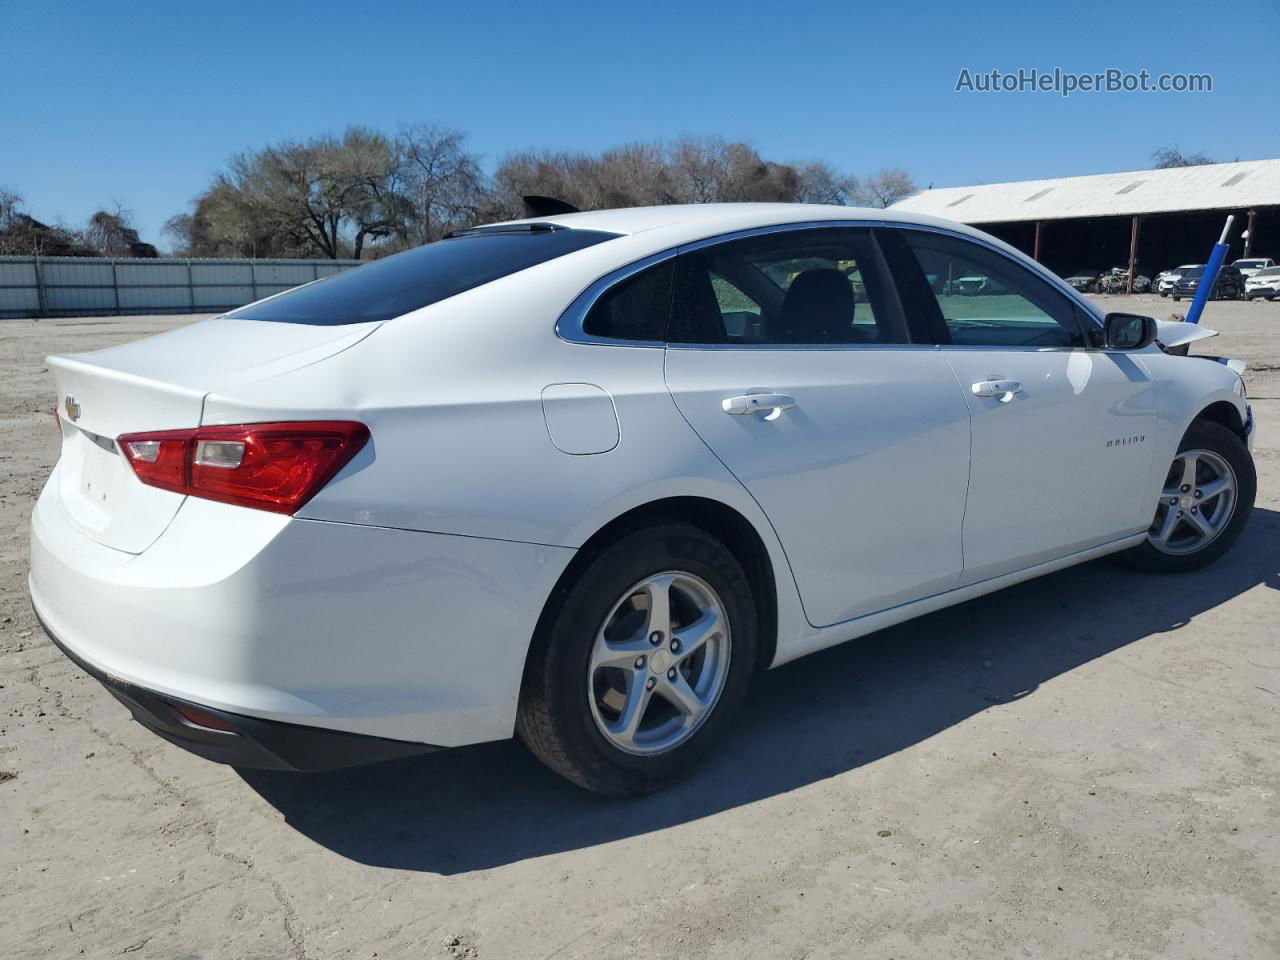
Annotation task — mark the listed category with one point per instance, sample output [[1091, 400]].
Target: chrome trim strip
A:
[[106, 443], [569, 324]]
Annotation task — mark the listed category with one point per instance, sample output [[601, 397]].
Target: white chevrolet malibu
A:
[[580, 478]]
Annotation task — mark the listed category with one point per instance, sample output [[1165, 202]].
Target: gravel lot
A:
[[1087, 765]]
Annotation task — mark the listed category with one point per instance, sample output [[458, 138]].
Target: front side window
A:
[[978, 297], [424, 275], [818, 287]]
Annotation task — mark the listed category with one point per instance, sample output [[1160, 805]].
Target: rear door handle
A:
[[768, 406], [1004, 389]]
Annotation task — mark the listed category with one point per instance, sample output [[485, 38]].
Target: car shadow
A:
[[827, 714]]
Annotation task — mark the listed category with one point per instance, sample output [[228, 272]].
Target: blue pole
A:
[[1210, 278]]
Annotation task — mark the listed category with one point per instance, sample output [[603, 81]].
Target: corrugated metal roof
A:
[[1216, 186]]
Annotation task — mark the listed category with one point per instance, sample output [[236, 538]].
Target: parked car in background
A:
[[1116, 280], [1084, 280], [582, 478], [1252, 265], [1230, 285], [1264, 283], [1164, 281]]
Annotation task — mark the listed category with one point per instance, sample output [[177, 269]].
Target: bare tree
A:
[[442, 185], [23, 235], [180, 229], [325, 196], [1170, 156], [334, 197], [820, 183], [111, 233], [11, 204], [886, 188]]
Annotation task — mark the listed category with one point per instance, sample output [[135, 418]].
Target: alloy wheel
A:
[[659, 663], [1196, 504]]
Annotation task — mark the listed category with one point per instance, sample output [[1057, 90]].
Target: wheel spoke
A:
[[1167, 527], [658, 590], [633, 709], [693, 636], [1214, 488], [682, 696], [1189, 462], [1197, 520]]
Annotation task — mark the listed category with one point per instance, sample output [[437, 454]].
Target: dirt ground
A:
[[1087, 765]]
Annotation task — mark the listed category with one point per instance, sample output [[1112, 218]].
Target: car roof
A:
[[686, 222]]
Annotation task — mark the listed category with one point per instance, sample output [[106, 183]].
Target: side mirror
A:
[[1128, 331]]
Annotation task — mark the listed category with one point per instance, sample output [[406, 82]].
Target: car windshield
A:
[[1247, 264], [1193, 273], [416, 278]]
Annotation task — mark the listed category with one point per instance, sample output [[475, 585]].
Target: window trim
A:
[[568, 325]]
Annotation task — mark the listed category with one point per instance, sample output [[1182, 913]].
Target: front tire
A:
[[641, 663], [1204, 505]]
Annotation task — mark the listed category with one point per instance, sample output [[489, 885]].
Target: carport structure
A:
[[1147, 220]]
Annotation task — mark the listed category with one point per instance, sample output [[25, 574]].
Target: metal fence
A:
[[83, 286]]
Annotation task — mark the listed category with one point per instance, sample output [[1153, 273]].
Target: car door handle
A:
[[768, 406], [1004, 389]]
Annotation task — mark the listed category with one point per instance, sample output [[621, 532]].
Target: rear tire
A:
[[594, 653], [1209, 457]]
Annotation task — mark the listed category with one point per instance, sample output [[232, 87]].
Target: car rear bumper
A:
[[243, 741], [393, 634]]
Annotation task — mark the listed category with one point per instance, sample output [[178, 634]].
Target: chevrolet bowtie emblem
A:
[[72, 408]]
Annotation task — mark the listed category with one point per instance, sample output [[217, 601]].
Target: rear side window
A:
[[416, 278], [635, 309], [812, 287]]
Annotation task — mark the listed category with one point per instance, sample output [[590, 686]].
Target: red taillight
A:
[[271, 466]]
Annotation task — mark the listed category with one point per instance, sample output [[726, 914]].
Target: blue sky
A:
[[142, 102]]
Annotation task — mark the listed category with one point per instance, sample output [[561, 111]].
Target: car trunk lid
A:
[[160, 384]]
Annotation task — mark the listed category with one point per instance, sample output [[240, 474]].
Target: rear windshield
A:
[[428, 274]]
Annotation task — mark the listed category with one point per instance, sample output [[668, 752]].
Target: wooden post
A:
[[1248, 240], [1133, 252], [1035, 251]]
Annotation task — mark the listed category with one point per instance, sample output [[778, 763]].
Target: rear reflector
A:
[[202, 718], [269, 466]]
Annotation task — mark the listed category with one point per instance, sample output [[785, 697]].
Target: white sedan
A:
[[1263, 283], [580, 478]]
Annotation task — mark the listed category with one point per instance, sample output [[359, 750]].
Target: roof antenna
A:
[[535, 206]]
